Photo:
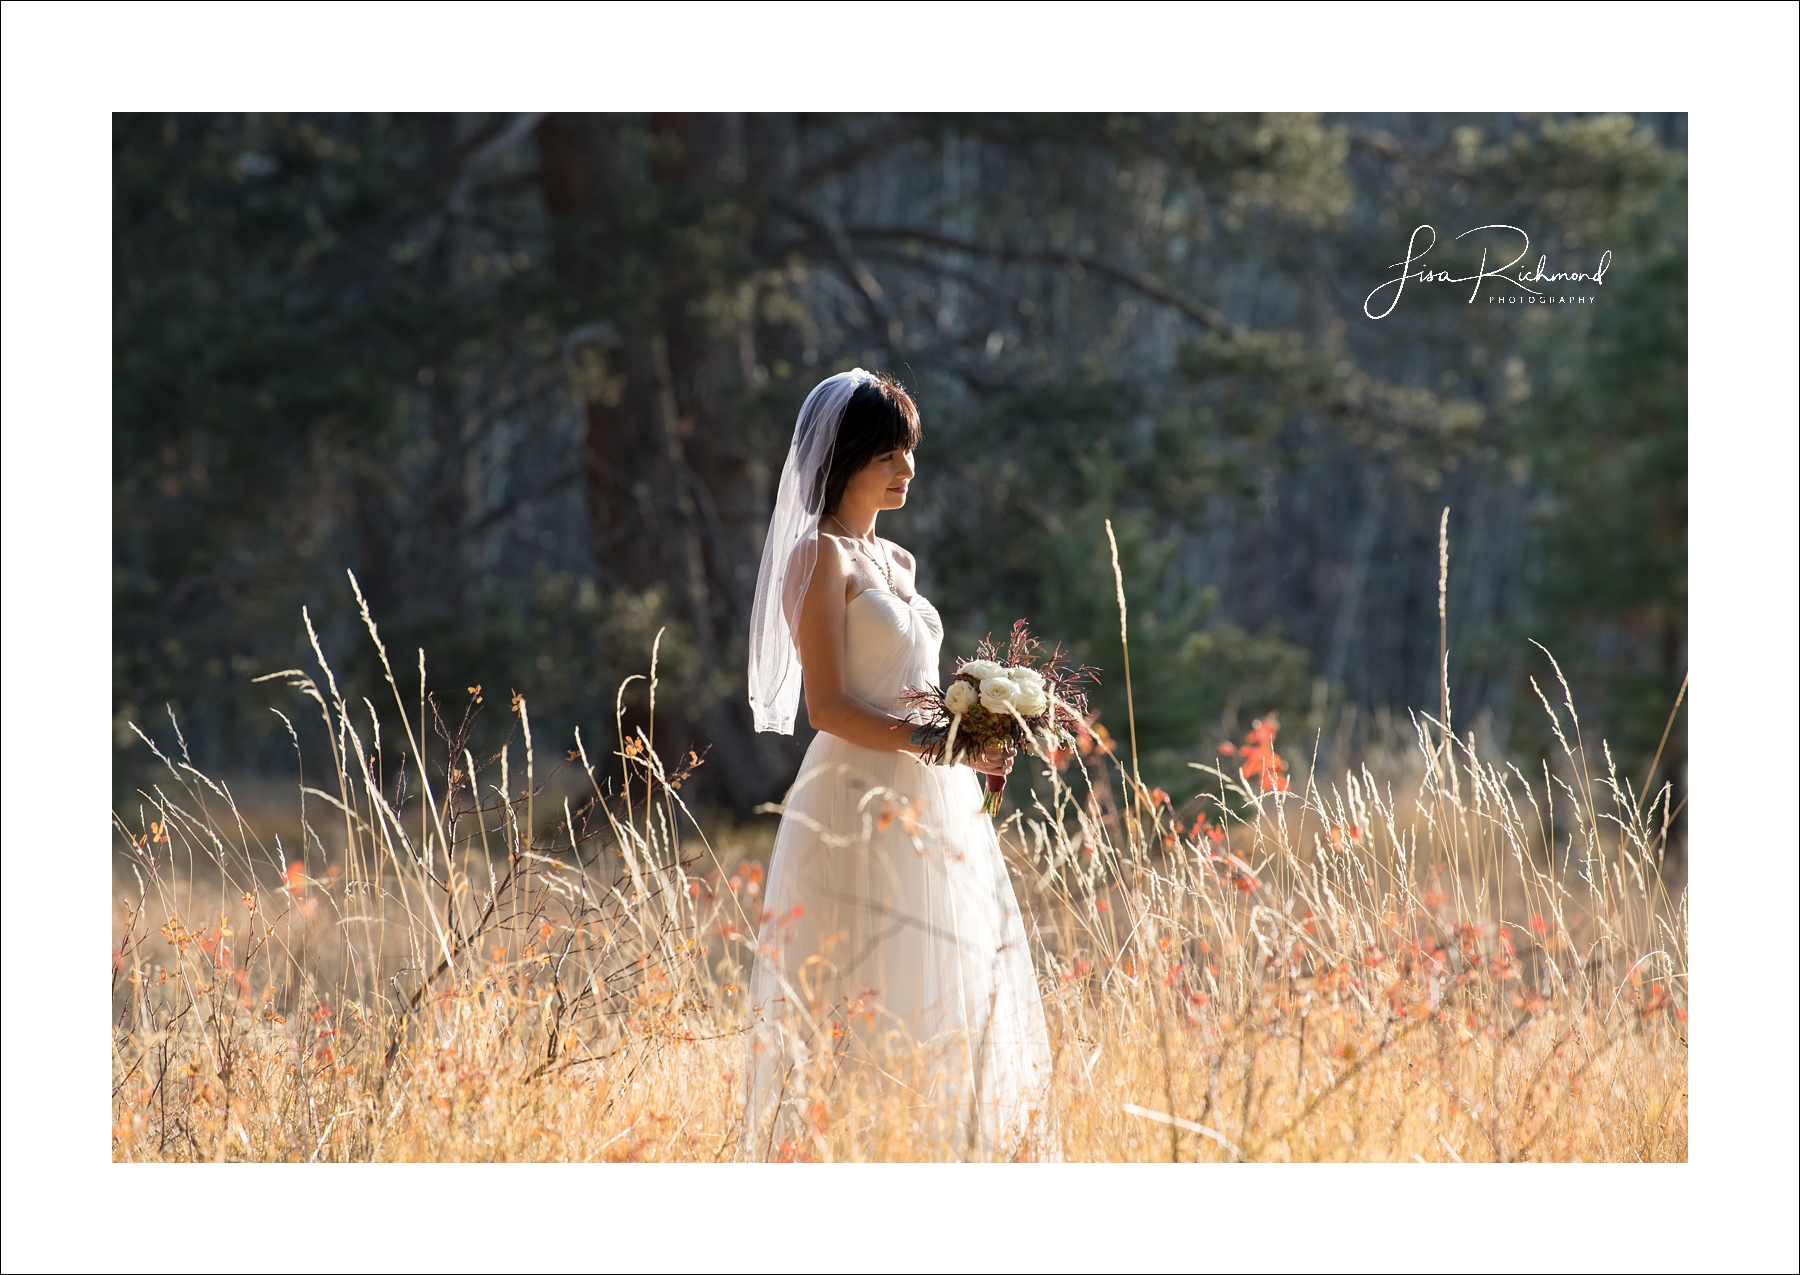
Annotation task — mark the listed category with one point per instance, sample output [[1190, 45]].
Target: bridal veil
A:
[[785, 573]]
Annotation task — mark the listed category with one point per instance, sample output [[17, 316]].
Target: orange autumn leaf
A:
[[1259, 760]]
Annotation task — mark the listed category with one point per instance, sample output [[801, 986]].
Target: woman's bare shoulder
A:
[[901, 556], [829, 553], [835, 547], [815, 569]]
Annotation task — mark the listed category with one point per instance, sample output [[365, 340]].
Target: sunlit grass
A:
[[1468, 962]]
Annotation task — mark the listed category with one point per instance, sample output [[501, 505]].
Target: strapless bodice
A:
[[890, 642]]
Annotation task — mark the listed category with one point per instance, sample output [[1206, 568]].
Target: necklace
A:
[[887, 571]]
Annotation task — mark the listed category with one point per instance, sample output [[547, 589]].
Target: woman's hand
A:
[[995, 759]]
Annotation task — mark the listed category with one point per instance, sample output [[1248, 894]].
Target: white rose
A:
[[1021, 674], [981, 670], [1032, 700], [998, 694], [961, 697]]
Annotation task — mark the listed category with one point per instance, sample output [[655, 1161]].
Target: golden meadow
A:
[[541, 954]]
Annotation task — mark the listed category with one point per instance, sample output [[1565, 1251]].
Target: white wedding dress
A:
[[892, 971]]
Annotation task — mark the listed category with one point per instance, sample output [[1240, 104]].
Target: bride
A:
[[895, 1008]]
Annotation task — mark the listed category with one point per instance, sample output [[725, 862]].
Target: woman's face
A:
[[882, 483]]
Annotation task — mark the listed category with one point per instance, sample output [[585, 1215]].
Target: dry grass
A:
[[1484, 966]]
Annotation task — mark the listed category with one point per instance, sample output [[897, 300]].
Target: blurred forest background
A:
[[533, 379]]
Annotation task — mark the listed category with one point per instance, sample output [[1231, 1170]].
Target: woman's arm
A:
[[820, 636]]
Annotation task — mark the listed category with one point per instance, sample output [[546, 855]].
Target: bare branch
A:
[[1147, 284], [832, 230]]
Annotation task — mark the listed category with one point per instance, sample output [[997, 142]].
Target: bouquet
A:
[[1031, 701]]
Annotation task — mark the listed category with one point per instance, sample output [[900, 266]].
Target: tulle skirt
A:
[[893, 985]]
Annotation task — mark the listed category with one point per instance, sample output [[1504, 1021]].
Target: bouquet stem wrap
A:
[[991, 794]]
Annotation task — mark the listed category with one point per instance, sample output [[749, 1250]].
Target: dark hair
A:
[[880, 417]]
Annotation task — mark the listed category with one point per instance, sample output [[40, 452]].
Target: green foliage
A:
[[1606, 440], [1020, 530], [288, 355], [532, 380]]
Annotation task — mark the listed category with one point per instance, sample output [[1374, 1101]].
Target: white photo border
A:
[[67, 68]]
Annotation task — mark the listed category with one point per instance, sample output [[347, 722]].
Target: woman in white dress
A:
[[893, 987]]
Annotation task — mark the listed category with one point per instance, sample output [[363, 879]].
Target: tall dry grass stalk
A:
[[1486, 964]]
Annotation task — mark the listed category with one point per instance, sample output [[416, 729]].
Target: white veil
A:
[[781, 584]]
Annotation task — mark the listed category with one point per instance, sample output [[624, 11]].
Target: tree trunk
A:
[[651, 224]]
